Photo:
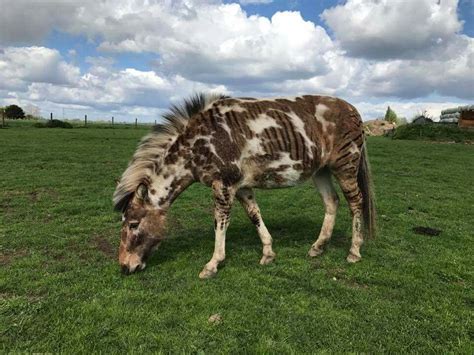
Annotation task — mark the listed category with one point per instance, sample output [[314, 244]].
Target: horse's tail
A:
[[364, 180]]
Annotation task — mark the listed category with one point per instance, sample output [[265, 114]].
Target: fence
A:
[[112, 123]]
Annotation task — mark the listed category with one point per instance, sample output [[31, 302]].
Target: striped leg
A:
[[323, 182], [247, 199], [223, 198], [348, 182]]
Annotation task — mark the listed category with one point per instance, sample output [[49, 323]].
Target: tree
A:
[[391, 116], [401, 121], [14, 112]]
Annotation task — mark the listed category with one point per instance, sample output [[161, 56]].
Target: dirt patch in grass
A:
[[6, 207], [6, 258], [105, 246], [75, 248], [36, 195], [339, 275]]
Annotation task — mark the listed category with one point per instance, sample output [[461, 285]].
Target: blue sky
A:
[[131, 58]]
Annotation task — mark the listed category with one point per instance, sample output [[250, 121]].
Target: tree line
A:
[[13, 112]]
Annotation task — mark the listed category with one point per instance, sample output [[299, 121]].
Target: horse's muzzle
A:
[[125, 270]]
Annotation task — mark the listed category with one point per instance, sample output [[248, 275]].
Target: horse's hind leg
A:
[[348, 181], [247, 199], [323, 182]]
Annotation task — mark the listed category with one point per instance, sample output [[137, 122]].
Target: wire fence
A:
[[75, 123]]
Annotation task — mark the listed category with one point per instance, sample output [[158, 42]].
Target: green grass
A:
[[434, 132], [61, 289]]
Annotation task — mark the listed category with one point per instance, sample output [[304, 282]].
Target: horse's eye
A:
[[133, 225]]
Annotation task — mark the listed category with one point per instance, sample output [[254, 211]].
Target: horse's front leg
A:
[[247, 199], [223, 198]]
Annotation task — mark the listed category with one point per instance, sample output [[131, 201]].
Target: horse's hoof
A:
[[314, 252], [351, 258], [207, 274], [267, 259]]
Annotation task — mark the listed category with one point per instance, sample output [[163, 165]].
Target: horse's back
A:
[[279, 142]]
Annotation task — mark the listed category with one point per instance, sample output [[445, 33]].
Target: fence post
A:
[[112, 121], [136, 122], [3, 118], [85, 120], [51, 116]]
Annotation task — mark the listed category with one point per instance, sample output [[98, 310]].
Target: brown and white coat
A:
[[234, 145]]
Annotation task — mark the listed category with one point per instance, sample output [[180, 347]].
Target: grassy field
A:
[[61, 289]]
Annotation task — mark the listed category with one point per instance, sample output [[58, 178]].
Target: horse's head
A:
[[142, 231]]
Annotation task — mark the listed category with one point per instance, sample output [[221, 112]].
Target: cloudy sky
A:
[[131, 58]]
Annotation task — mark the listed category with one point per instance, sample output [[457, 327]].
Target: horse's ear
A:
[[142, 192]]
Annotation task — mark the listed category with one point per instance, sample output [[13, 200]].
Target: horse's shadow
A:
[[242, 235]]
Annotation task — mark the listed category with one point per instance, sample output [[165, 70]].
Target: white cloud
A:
[[449, 74], [393, 29], [203, 40], [20, 66], [396, 50], [108, 90], [213, 42], [40, 76]]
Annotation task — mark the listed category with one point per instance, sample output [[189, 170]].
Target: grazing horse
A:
[[234, 145]]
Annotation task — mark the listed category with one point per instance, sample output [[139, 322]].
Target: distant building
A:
[[422, 120]]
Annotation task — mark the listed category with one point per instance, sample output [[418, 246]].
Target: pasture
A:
[[61, 289]]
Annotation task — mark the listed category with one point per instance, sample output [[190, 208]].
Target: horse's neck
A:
[[172, 179]]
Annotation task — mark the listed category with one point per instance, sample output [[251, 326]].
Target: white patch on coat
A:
[[299, 127], [261, 123], [252, 148], [227, 129], [236, 108], [291, 176], [162, 185], [354, 149], [321, 109]]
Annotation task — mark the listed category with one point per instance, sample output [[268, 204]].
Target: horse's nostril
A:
[[125, 270]]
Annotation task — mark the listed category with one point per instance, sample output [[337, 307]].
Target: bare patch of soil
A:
[[105, 246], [6, 258], [36, 195]]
